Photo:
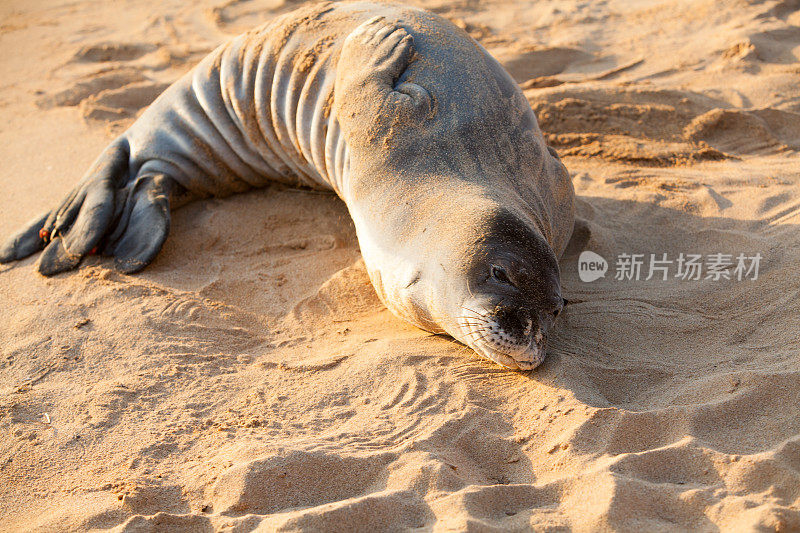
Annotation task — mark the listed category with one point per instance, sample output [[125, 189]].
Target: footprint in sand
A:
[[105, 52]]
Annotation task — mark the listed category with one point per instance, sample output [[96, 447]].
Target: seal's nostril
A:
[[559, 308]]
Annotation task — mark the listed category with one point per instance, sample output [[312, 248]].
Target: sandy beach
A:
[[250, 379]]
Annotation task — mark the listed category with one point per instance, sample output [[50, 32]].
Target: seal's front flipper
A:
[[143, 225], [381, 50], [373, 59]]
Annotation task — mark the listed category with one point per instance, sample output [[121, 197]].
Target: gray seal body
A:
[[461, 210]]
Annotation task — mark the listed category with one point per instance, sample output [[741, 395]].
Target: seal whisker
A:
[[475, 321], [469, 290], [480, 338], [476, 313], [472, 329]]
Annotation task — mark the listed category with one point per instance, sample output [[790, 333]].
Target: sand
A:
[[250, 379]]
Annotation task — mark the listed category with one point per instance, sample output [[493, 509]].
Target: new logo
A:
[[591, 266]]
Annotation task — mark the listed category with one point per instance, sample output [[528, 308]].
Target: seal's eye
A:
[[499, 273]]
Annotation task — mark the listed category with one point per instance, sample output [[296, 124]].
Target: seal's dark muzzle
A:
[[518, 323]]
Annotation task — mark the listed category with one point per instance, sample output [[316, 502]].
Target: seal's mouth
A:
[[523, 350], [527, 360]]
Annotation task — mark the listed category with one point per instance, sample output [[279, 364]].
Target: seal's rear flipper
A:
[[57, 258], [72, 230], [144, 224], [26, 242], [77, 227], [127, 219]]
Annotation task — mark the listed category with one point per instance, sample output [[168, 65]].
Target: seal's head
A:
[[488, 278], [513, 294]]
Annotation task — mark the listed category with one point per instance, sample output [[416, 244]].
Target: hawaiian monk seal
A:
[[460, 208]]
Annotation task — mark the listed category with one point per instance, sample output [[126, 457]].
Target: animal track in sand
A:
[[184, 307], [538, 61], [113, 81], [92, 85], [747, 132], [408, 392], [780, 45], [123, 103], [107, 97], [657, 128], [235, 16], [105, 52]]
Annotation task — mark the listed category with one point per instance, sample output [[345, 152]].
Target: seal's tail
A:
[[127, 219]]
